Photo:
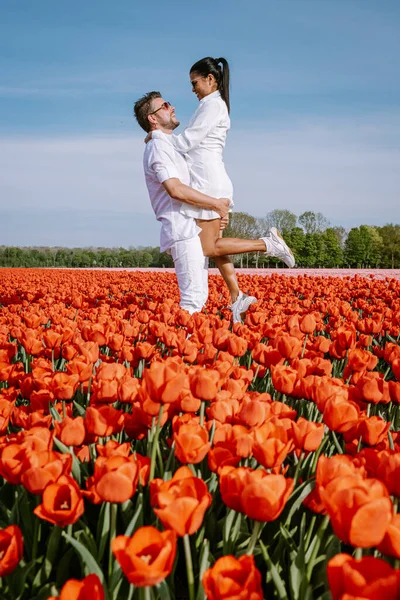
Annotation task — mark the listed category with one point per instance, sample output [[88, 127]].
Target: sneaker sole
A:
[[278, 234]]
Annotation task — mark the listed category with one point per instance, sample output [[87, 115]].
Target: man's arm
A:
[[179, 191]]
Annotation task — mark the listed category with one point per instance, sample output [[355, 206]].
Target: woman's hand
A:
[[224, 222], [148, 137]]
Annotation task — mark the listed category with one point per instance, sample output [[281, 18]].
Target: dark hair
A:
[[207, 66], [142, 109]]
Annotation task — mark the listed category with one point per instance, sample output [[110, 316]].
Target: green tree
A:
[[282, 219], [311, 250], [390, 235], [313, 222], [332, 254], [363, 247]]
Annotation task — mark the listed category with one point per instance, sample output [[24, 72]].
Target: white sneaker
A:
[[277, 247], [241, 305]]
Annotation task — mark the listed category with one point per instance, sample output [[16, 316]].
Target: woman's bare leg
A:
[[224, 263], [214, 246]]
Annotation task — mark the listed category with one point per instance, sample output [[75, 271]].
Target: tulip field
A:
[[149, 454]]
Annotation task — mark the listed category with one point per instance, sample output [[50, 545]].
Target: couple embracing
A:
[[190, 191]]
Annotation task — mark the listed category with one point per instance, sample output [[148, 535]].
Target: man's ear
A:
[[152, 120]]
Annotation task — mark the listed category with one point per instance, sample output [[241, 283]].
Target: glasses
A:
[[165, 105]]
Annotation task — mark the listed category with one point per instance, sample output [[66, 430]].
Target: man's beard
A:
[[172, 124]]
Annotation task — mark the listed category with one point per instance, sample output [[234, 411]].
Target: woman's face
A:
[[202, 86]]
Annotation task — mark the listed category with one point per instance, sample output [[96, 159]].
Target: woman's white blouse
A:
[[203, 143]]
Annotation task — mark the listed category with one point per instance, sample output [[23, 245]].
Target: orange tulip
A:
[[44, 467], [103, 420], [388, 471], [390, 545], [204, 383], [233, 578], [88, 587], [64, 385], [307, 435], [11, 549], [181, 501], [339, 465], [114, 480], [163, 382], [147, 557], [62, 502], [222, 455], [368, 579], [265, 496], [284, 379], [271, 453], [308, 324], [360, 510], [288, 346], [191, 444], [70, 432], [258, 494]]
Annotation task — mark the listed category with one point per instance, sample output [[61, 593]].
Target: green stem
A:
[[64, 409], [35, 538], [304, 345], [146, 593], [358, 554], [319, 536], [155, 443], [189, 566], [202, 406], [113, 531], [297, 472], [254, 537]]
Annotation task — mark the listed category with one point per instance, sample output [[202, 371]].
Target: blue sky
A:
[[315, 110]]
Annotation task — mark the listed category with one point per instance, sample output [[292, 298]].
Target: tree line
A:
[[315, 243]]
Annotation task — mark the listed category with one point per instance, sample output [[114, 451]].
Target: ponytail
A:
[[223, 84]]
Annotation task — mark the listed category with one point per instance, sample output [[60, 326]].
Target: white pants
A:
[[191, 267]]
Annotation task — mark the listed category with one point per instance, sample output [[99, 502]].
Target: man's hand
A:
[[224, 222], [148, 137], [223, 207]]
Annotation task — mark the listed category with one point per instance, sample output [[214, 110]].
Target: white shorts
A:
[[191, 267]]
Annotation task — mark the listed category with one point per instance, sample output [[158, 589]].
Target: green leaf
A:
[[227, 541], [135, 519], [103, 530], [203, 566], [164, 591], [81, 411], [76, 469], [64, 567], [47, 590], [54, 413], [53, 542], [299, 494], [17, 578], [89, 562], [299, 584], [273, 571]]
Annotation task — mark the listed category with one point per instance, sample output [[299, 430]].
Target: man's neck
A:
[[164, 130]]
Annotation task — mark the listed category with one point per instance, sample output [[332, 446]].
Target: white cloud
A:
[[347, 169]]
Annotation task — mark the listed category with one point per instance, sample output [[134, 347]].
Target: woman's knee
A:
[[210, 251]]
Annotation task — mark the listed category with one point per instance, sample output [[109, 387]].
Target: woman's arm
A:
[[204, 120]]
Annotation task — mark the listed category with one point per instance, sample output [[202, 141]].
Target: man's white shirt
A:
[[161, 162]]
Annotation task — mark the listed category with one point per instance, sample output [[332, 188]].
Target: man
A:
[[167, 178]]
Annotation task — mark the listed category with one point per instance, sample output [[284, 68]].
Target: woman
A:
[[203, 143]]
